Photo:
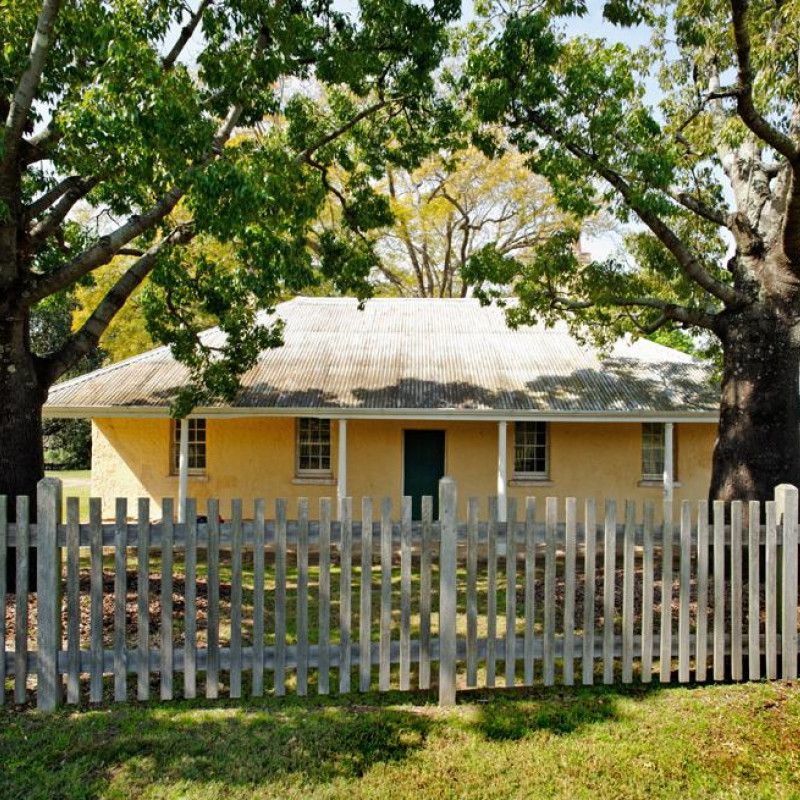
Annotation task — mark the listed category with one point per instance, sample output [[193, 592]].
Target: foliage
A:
[[452, 207], [701, 174], [116, 119]]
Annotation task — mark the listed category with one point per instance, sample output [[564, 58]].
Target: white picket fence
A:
[[538, 596]]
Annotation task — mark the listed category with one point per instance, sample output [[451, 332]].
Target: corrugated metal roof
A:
[[419, 354]]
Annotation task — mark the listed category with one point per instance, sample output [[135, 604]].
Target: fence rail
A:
[[555, 594]]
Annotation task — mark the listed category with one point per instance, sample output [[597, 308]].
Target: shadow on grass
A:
[[272, 742], [516, 714]]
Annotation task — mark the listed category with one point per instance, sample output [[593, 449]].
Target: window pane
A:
[[652, 450], [314, 444], [197, 445], [530, 448]]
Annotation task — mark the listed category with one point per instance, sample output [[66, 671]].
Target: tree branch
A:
[[669, 311], [333, 135], [108, 246], [186, 33], [745, 105], [43, 202], [688, 261], [29, 81], [700, 208], [53, 220], [88, 335]]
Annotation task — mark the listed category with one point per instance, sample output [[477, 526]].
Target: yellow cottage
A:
[[386, 400]]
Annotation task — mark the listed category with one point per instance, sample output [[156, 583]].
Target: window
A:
[[197, 446], [530, 449], [653, 451], [313, 446]]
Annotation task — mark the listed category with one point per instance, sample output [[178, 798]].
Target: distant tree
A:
[[710, 173], [450, 209]]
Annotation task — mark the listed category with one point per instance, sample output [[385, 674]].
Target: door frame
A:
[[403, 454]]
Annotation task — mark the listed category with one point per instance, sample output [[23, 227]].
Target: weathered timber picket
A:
[[137, 607]]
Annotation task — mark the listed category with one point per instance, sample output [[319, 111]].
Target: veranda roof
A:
[[416, 357]]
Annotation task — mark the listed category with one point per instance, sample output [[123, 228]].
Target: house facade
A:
[[384, 401]]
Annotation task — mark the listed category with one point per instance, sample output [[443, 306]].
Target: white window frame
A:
[[196, 425], [532, 475], [305, 472], [649, 432]]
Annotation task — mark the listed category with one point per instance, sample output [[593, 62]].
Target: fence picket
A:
[[280, 597], [120, 597], [754, 605], [511, 592], [551, 521], [405, 597], [719, 590], [472, 593], [701, 641], [589, 589], [73, 602], [236, 601], [21, 601], [3, 587], [96, 599], [569, 591], [737, 598], [167, 540], [324, 625], [259, 535], [609, 558], [789, 615], [530, 588], [627, 592], [143, 600], [384, 655], [345, 595], [648, 586], [770, 585], [448, 564], [425, 594], [212, 619], [365, 598], [491, 588], [302, 596], [665, 650], [190, 602], [684, 634]]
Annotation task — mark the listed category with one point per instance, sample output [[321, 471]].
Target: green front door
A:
[[423, 468]]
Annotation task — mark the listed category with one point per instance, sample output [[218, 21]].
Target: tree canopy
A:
[[707, 166]]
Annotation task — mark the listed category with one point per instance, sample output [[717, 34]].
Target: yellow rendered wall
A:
[[255, 457]]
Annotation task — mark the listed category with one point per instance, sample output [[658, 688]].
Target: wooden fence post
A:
[[787, 502], [447, 592], [48, 584]]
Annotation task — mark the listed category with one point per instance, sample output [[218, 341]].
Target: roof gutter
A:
[[439, 414]]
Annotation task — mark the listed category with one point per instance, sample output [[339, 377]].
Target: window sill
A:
[[531, 481], [650, 484], [314, 480], [192, 477]]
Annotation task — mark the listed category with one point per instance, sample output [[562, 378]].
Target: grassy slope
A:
[[718, 741]]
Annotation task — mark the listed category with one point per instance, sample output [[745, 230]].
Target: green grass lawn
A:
[[77, 483], [717, 741]]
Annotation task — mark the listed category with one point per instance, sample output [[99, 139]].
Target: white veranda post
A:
[[502, 464], [341, 471], [183, 469], [669, 466]]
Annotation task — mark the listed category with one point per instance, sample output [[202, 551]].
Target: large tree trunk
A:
[[758, 444], [21, 448]]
